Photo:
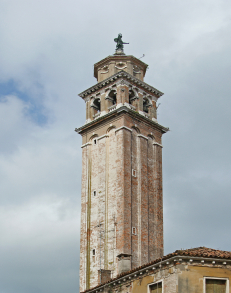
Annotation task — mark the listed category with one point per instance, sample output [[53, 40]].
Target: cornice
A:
[[120, 75], [117, 111]]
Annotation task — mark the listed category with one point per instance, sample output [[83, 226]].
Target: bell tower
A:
[[121, 198]]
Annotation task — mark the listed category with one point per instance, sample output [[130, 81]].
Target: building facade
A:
[[121, 198], [197, 270]]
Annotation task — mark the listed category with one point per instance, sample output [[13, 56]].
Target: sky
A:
[[47, 52]]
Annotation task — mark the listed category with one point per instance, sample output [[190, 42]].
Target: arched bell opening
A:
[[112, 96], [146, 105], [132, 97], [111, 100], [96, 105]]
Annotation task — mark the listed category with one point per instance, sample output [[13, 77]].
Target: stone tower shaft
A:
[[121, 198]]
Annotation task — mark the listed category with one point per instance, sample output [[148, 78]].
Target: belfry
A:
[[121, 198]]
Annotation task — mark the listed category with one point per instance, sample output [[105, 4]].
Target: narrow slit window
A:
[[95, 141], [133, 173], [94, 192], [133, 230], [93, 252]]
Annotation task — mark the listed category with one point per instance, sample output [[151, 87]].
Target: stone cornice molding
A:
[[123, 127], [121, 109], [86, 144], [103, 136], [141, 135], [124, 75], [156, 143]]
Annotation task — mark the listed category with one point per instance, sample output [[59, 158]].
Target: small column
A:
[[103, 104], [122, 94], [140, 107]]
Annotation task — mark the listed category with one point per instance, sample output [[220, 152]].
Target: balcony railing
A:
[[132, 107], [112, 108], [96, 115]]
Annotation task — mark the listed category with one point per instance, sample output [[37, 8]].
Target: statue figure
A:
[[120, 43]]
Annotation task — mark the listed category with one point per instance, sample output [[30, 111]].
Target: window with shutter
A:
[[215, 286], [155, 288]]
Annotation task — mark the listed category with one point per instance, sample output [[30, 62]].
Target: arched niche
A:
[[111, 97], [136, 129], [93, 139], [151, 137], [111, 128]]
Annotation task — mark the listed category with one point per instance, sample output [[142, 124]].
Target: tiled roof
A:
[[193, 252], [202, 252]]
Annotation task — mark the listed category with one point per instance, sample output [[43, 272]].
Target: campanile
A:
[[121, 197]]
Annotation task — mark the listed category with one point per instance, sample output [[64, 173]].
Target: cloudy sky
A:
[[47, 52]]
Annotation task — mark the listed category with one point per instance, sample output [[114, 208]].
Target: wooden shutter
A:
[[215, 286], [156, 288]]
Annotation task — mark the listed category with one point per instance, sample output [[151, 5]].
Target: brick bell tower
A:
[[121, 200]]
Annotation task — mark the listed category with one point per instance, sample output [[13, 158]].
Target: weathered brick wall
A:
[[122, 201]]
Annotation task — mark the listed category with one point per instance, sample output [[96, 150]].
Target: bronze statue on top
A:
[[120, 43]]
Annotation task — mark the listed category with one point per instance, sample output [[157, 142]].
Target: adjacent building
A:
[[197, 270]]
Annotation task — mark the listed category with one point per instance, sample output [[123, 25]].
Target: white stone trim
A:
[[103, 113], [86, 144], [123, 127], [141, 135], [103, 136], [121, 68], [216, 278], [119, 105], [156, 143], [159, 281], [129, 106], [146, 115], [88, 120]]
